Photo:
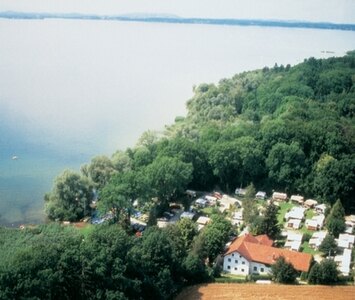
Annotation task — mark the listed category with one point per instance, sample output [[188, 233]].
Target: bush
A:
[[283, 272], [328, 246], [230, 280], [255, 277], [306, 237], [324, 273], [345, 279], [304, 276]]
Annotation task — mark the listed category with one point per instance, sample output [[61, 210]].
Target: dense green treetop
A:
[[325, 272], [335, 221], [328, 246], [283, 271], [70, 197], [287, 128], [299, 125]]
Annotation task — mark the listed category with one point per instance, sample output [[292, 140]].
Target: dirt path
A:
[[219, 291]]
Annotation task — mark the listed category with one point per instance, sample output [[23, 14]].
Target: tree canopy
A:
[[281, 128], [70, 198], [324, 273], [283, 272], [335, 221]]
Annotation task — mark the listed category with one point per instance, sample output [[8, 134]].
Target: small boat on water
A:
[[14, 157]]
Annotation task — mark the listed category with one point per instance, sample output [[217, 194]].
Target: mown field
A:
[[266, 292]]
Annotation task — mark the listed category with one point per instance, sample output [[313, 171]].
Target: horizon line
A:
[[171, 18]]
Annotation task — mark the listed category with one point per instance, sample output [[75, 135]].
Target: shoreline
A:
[[181, 20]]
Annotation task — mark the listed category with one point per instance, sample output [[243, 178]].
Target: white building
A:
[[293, 224], [316, 223], [188, 215], [295, 213], [260, 195], [297, 199], [240, 192], [349, 223], [317, 238], [293, 241], [279, 196], [212, 200], [237, 218], [320, 208], [226, 203], [310, 203], [201, 202], [255, 255], [345, 241], [202, 222], [343, 261]]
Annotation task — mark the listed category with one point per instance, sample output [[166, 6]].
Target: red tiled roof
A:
[[239, 241], [253, 250], [264, 240]]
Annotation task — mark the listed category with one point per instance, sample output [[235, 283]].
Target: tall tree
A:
[[152, 260], [104, 259], [215, 235], [324, 273], [335, 221], [100, 170], [335, 179], [167, 177], [189, 152], [70, 197], [283, 271], [226, 163], [269, 223], [328, 246], [121, 161], [286, 165]]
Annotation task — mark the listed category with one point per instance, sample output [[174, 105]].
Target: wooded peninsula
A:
[[289, 129]]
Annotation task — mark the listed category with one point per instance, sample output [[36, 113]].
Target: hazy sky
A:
[[341, 11]]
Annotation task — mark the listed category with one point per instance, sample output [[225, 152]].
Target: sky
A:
[[338, 11]]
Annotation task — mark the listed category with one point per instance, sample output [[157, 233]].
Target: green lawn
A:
[[308, 249], [284, 207], [310, 214], [304, 230], [208, 211], [229, 278]]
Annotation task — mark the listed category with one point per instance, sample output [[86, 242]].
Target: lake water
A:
[[70, 90]]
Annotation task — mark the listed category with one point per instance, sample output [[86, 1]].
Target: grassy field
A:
[[284, 207], [230, 291], [207, 211], [308, 249], [230, 278]]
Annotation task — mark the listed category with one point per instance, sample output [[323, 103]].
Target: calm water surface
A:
[[72, 89]]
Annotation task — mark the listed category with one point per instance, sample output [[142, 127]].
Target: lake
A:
[[73, 89]]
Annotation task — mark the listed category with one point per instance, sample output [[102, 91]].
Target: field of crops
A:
[[265, 292]]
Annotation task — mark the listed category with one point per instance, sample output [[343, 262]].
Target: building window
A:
[[255, 268], [236, 261], [242, 270], [236, 268], [228, 267], [232, 254], [262, 269], [229, 260], [243, 262]]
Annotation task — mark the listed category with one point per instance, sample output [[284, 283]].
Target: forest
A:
[[284, 128]]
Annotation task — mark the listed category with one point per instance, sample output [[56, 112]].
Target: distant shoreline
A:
[[180, 20]]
